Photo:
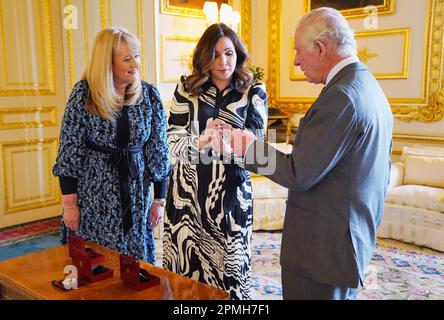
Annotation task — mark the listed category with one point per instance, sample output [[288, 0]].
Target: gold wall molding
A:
[[33, 117], [105, 13], [140, 25], [50, 194], [405, 58], [293, 74], [49, 47], [428, 108], [246, 23], [407, 139], [167, 8], [415, 138], [388, 7], [33, 88], [431, 108], [187, 59], [274, 42], [245, 10], [17, 198], [70, 43], [105, 20], [364, 54], [85, 31], [5, 62]]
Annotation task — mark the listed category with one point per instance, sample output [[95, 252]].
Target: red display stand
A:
[[87, 261], [135, 277], [75, 242]]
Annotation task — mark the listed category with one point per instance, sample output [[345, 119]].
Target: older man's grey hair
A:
[[329, 26]]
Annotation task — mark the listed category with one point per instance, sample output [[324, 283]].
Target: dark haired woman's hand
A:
[[156, 214], [220, 142], [217, 125]]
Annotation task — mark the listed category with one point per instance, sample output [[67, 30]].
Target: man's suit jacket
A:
[[337, 176]]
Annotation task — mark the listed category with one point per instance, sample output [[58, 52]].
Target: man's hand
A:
[[241, 140]]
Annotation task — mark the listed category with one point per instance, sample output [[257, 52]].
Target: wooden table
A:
[[30, 276]]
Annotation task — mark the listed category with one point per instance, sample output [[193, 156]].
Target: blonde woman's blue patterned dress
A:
[[112, 165]]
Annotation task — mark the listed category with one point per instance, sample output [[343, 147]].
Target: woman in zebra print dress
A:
[[208, 225]]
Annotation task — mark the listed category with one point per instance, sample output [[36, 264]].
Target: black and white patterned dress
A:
[[208, 224], [96, 179]]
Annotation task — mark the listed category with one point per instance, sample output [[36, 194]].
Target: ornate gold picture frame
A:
[[177, 55], [353, 8], [186, 8], [366, 55], [427, 106]]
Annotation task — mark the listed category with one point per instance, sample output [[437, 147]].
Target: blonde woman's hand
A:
[[71, 217]]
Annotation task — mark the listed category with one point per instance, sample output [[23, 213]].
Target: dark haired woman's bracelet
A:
[[160, 202]]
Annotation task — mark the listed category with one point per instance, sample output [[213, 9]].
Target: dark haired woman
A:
[[208, 225]]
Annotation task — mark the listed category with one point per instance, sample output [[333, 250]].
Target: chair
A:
[[414, 206]]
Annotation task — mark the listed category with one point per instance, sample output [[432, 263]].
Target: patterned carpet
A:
[[397, 272], [28, 231], [34, 236]]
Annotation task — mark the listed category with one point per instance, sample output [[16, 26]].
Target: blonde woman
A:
[[113, 146]]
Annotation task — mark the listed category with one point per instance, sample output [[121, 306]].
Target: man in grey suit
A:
[[339, 170]]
